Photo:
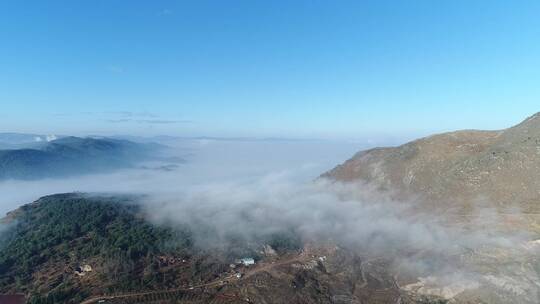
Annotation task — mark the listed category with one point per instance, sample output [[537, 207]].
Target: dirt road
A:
[[248, 273]]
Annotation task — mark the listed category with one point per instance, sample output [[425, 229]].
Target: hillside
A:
[[75, 248], [48, 240], [457, 169], [71, 156]]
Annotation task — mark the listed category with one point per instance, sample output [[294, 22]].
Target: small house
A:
[[247, 261], [86, 268]]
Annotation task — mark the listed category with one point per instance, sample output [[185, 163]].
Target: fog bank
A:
[[206, 162], [248, 190]]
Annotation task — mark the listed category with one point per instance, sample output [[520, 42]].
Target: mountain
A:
[[78, 248], [23, 140], [82, 248], [456, 170], [48, 242], [71, 156]]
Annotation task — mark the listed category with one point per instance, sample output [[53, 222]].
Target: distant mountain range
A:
[[23, 140], [457, 169], [71, 156]]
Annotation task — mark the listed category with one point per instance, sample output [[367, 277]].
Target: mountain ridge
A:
[[69, 156], [455, 169]]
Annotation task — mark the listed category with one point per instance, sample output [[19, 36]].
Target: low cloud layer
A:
[[207, 162], [250, 190], [350, 215], [256, 188]]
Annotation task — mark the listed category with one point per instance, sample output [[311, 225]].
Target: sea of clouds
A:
[[252, 189]]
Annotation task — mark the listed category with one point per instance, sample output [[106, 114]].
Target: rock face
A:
[[457, 169]]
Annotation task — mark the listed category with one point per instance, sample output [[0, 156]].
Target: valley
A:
[[269, 152], [387, 226]]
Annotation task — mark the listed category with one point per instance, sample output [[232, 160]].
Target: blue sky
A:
[[326, 69]]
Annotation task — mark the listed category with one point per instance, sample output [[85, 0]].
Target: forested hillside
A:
[[47, 240], [65, 248]]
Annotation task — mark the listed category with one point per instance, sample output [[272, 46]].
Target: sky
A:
[[302, 69]]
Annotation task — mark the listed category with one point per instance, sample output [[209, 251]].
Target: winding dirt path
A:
[[250, 272]]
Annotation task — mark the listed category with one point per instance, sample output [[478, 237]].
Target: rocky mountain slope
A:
[[458, 169]]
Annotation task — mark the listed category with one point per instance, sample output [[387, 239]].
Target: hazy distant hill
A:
[[498, 167], [21, 138], [24, 140], [71, 156]]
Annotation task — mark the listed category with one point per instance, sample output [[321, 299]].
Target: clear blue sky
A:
[[343, 69]]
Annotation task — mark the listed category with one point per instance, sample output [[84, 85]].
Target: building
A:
[[81, 270], [247, 261]]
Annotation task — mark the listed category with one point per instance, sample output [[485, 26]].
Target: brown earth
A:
[[457, 170], [316, 275]]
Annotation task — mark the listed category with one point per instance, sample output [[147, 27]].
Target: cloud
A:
[[147, 121], [47, 138], [239, 190], [122, 120], [140, 117], [130, 114], [249, 191], [349, 215], [162, 121], [165, 12]]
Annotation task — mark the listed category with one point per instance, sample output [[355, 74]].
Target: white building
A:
[[247, 261]]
